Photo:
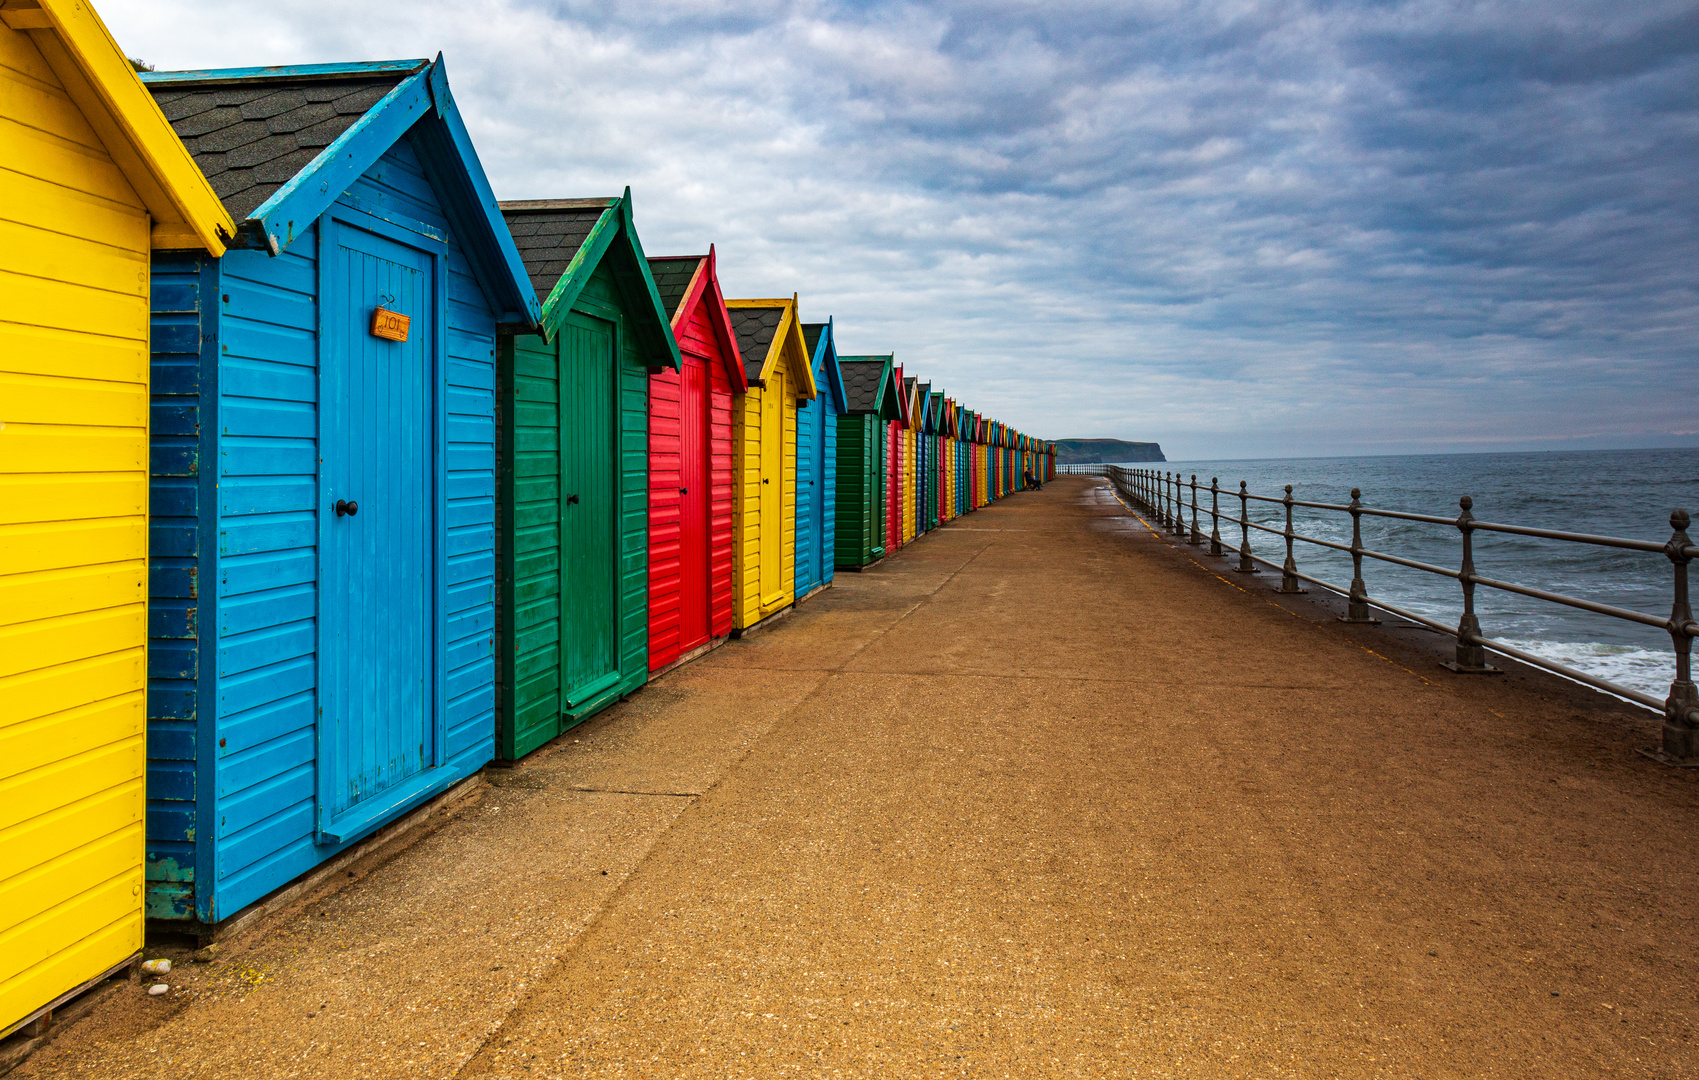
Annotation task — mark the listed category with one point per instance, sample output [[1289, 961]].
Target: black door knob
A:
[[764, 480], [572, 500], [347, 506], [684, 491]]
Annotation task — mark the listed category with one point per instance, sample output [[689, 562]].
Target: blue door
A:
[[809, 495], [379, 741]]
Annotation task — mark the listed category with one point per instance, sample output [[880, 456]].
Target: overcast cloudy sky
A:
[[1237, 227]]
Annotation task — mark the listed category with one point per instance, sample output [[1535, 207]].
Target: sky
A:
[[1235, 227]]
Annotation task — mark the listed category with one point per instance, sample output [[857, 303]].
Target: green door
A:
[[589, 655]]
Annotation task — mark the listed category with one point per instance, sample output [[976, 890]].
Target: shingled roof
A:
[[250, 134], [755, 328], [549, 232], [672, 274], [811, 336], [861, 384]]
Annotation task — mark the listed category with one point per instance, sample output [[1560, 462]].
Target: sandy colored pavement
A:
[[1042, 795]]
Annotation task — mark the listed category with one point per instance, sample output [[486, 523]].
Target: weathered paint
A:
[[93, 179], [314, 675], [764, 457]]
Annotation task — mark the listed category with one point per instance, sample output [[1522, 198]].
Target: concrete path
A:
[[1042, 795]]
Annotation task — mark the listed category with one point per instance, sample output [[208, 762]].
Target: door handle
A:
[[684, 491], [347, 506], [766, 480], [572, 500]]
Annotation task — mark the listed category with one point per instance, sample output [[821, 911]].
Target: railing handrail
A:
[[1161, 493]]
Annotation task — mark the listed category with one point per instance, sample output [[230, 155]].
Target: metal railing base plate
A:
[[1462, 669], [1358, 622], [1657, 754]]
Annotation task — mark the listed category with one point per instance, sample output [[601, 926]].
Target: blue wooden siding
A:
[[183, 324], [829, 412], [808, 425], [248, 707]]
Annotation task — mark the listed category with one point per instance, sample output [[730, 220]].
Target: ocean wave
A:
[[1646, 670]]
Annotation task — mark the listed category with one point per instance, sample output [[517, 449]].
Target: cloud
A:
[[1235, 226]]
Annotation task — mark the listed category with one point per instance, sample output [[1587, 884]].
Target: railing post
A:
[[1214, 516], [1289, 569], [1357, 607], [1246, 566], [1179, 506], [1197, 537], [1167, 508], [1681, 708], [1471, 656]]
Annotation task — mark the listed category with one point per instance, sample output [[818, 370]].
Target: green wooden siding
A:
[[859, 519], [532, 710]]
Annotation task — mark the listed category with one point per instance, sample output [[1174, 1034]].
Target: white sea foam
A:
[[1646, 670]]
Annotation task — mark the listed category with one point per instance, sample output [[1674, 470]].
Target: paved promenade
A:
[[1042, 795]]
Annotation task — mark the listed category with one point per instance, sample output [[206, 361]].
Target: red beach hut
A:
[[690, 465], [894, 469]]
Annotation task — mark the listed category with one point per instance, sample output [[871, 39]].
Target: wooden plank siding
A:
[[74, 242], [695, 337], [233, 712], [90, 176]]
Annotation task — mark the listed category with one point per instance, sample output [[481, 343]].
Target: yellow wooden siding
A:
[[911, 482], [746, 509], [787, 592], [74, 242]]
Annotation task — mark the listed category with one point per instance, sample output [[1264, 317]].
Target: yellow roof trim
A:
[[787, 342], [96, 74]]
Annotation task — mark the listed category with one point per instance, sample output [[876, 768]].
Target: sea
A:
[[1626, 493]]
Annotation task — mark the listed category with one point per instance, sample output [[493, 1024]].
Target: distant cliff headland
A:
[[1098, 451]]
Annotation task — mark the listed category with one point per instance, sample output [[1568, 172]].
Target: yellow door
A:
[[771, 588]]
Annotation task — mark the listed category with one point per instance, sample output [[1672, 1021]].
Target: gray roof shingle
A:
[[251, 134], [861, 384], [672, 274], [755, 328], [549, 232]]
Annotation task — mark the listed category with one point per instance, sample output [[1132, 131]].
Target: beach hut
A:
[[94, 180], [817, 463], [948, 455], [935, 471], [690, 464], [922, 457], [910, 471], [776, 363], [894, 467], [870, 404], [575, 468], [324, 474]]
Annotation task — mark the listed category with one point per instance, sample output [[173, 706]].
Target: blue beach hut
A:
[[322, 598], [817, 463]]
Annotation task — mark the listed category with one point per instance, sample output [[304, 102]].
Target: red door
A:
[[693, 503]]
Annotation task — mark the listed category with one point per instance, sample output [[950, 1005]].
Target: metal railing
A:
[[1163, 495]]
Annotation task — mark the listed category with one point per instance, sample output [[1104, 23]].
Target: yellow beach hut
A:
[[776, 363], [93, 180]]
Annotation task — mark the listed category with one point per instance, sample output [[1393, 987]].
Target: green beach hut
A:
[[870, 403], [574, 462]]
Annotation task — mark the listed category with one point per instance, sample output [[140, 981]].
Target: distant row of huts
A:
[[326, 479]]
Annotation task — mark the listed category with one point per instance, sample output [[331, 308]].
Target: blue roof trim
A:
[[311, 191], [292, 71], [495, 251], [450, 160], [825, 360]]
